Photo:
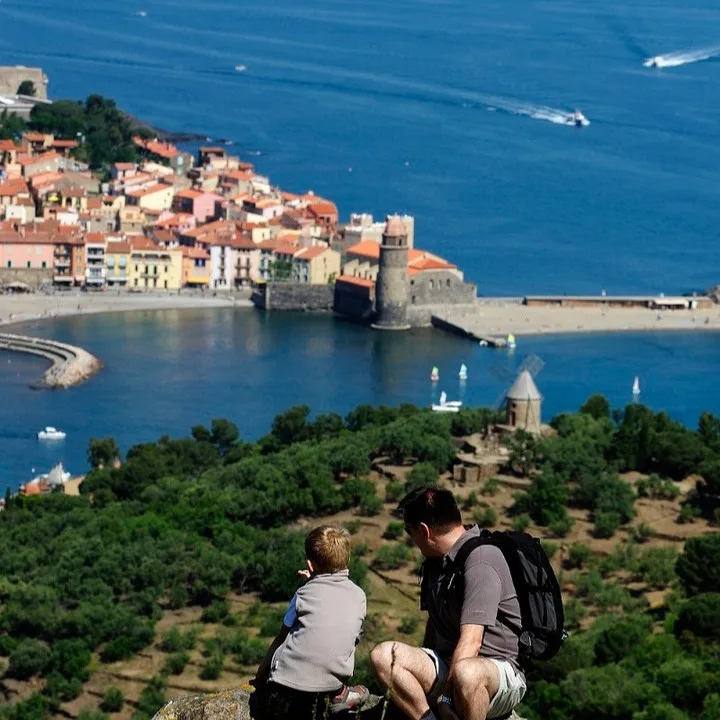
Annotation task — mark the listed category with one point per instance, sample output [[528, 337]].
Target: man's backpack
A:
[[538, 591]]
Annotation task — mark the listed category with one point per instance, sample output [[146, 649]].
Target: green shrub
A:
[[176, 662], [641, 533], [394, 491], [520, 522], [408, 625], [212, 668], [174, 640], [606, 523], [152, 698], [215, 612], [112, 700], [424, 474], [394, 530], [561, 527], [90, 713], [353, 526], [491, 487], [550, 548], [391, 557], [657, 566], [360, 549], [272, 622], [29, 658], [61, 688], [656, 488], [577, 556], [470, 501], [370, 505], [251, 652], [575, 611], [485, 517], [688, 514]]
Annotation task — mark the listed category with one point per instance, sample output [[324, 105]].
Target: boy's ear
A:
[[310, 566]]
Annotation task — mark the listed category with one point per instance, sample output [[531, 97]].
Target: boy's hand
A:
[[303, 574]]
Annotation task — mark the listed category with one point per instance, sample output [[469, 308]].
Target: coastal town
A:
[[172, 221]]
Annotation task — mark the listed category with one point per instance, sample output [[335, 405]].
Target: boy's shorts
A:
[[277, 702]]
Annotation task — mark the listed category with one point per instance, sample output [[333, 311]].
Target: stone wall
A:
[[291, 296], [421, 315], [440, 287], [11, 77], [354, 301], [35, 277]]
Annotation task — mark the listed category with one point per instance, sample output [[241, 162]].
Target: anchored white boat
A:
[[578, 119], [51, 433], [451, 406]]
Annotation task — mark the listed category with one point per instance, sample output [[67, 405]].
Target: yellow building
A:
[[117, 263], [155, 268], [157, 197], [196, 267], [315, 265]]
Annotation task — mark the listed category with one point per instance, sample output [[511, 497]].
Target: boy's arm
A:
[[263, 671]]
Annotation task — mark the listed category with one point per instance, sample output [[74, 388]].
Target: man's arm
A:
[[263, 671], [471, 639]]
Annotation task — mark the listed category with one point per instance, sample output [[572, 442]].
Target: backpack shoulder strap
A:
[[467, 547]]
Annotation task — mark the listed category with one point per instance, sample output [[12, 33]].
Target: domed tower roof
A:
[[524, 388], [395, 227]]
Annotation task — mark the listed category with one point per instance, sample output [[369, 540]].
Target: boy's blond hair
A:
[[328, 548]]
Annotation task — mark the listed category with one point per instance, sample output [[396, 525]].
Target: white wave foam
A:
[[682, 57]]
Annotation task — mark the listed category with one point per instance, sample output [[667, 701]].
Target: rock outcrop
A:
[[233, 705]]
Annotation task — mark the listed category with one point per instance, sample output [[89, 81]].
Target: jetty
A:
[[467, 325], [69, 366]]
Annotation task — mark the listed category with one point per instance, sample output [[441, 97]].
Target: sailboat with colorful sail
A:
[[434, 374]]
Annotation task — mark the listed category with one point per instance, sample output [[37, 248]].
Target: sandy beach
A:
[[500, 317], [23, 307]]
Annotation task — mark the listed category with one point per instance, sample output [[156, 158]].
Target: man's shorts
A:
[[511, 690]]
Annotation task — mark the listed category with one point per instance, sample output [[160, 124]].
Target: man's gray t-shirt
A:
[[488, 590], [318, 654]]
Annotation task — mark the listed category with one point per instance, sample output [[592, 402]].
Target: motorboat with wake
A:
[[654, 62], [577, 119], [51, 433], [447, 406]]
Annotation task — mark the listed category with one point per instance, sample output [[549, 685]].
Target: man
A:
[[468, 665]]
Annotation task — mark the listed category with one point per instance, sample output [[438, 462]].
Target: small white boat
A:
[[636, 386], [51, 433], [240, 68], [463, 372], [511, 341], [655, 62], [434, 374], [578, 119], [445, 408]]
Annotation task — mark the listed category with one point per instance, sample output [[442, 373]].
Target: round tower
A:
[[524, 404], [392, 291]]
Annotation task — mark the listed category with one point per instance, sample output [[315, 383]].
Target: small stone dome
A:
[[395, 227]]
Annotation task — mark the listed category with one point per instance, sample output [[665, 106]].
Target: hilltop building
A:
[[523, 403]]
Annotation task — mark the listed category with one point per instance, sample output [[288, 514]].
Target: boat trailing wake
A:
[[538, 112], [682, 57]]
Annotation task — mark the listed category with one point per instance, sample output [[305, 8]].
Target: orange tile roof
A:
[[323, 207], [311, 253], [431, 263], [361, 282], [189, 194], [243, 242], [34, 136], [94, 203], [148, 191], [268, 244], [95, 237], [7, 146], [195, 253], [286, 250], [365, 248], [144, 243], [32, 159], [68, 144], [164, 150], [175, 220], [118, 248], [13, 188]]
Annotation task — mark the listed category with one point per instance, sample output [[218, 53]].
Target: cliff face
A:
[[233, 705]]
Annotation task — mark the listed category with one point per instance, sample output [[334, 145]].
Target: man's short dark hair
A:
[[434, 507]]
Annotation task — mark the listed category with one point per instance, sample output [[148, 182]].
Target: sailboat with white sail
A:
[[636, 387], [463, 372]]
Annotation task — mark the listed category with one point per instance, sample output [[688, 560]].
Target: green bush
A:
[[408, 625], [112, 700], [212, 668], [174, 640], [699, 566], [688, 514], [394, 491], [550, 548], [470, 501], [641, 533], [606, 523], [90, 713], [575, 611], [152, 698], [61, 688], [394, 530], [561, 527], [485, 517], [491, 487], [29, 658], [215, 612], [353, 526], [176, 662], [578, 555], [391, 557], [371, 505], [424, 474], [521, 522]]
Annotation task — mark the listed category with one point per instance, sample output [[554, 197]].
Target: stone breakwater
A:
[[70, 365]]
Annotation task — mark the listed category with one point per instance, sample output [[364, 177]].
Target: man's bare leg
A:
[[408, 672], [475, 682]]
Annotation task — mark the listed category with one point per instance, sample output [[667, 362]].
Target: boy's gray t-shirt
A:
[[318, 654]]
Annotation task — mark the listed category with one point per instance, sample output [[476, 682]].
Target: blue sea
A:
[[448, 110]]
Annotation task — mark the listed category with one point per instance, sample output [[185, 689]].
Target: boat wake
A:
[[682, 57], [556, 116]]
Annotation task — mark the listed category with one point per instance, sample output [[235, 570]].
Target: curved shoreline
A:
[[69, 365]]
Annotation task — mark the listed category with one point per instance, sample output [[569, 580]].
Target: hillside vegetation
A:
[[170, 572]]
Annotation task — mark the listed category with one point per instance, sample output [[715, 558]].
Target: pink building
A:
[[33, 251], [203, 205]]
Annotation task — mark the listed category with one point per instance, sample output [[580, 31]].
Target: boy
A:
[[304, 672]]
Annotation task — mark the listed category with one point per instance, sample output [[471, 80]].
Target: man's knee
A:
[[381, 658], [473, 673]]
